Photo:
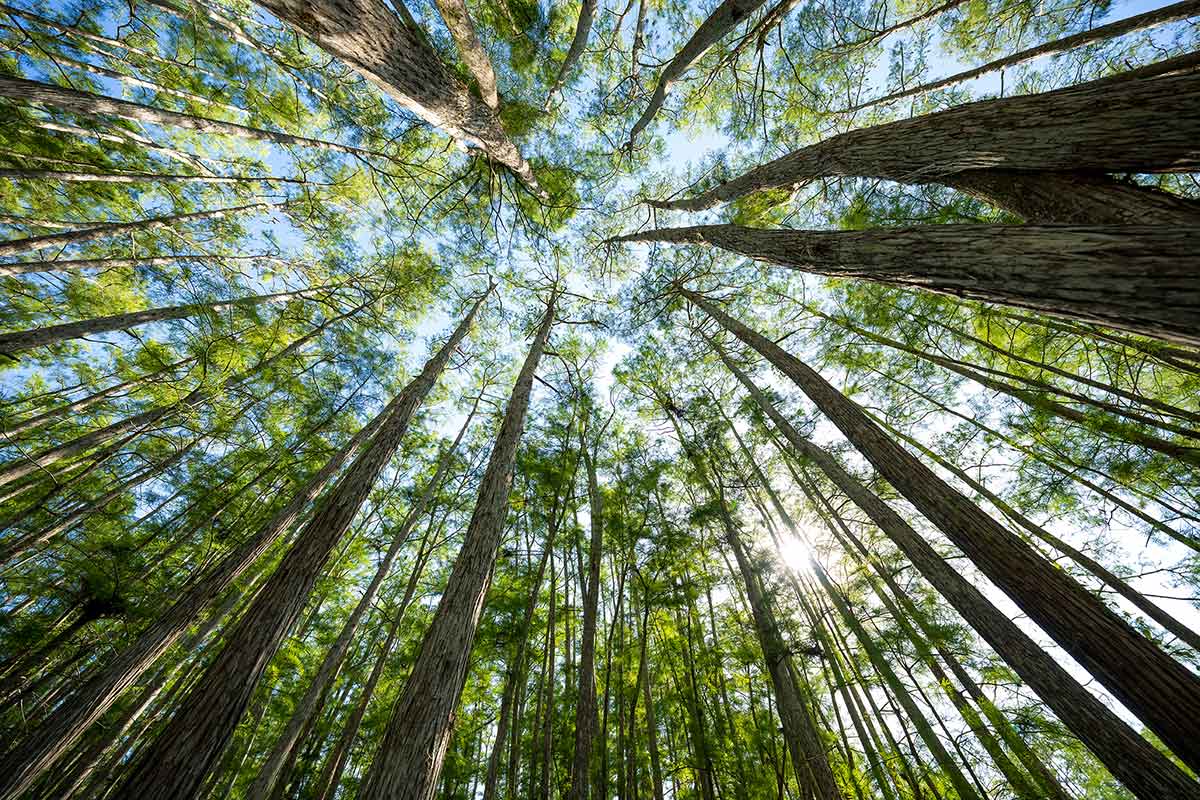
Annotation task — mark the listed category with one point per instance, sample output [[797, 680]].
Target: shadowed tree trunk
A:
[[180, 758], [409, 760], [1129, 757], [372, 39], [15, 247], [1048, 170], [17, 341], [727, 16], [1141, 278]]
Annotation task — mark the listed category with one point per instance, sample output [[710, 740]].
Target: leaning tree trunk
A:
[[370, 37], [66, 265], [585, 705], [728, 15], [409, 759], [1141, 278], [180, 758], [1138, 22], [470, 49], [1037, 155], [583, 29], [1131, 759], [282, 756], [15, 247], [17, 341], [77, 102]]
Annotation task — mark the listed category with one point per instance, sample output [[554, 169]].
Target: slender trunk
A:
[[991, 149], [188, 748], [1133, 760], [18, 341], [67, 265], [1112, 30], [139, 177], [546, 751], [1145, 279], [656, 772], [370, 37], [86, 103], [409, 760], [279, 761], [14, 247], [470, 49], [583, 29], [727, 16]]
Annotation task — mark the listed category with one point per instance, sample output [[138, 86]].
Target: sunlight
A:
[[795, 553]]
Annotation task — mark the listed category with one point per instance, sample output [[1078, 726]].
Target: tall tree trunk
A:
[[1130, 758], [409, 760], [470, 49], [139, 177], [369, 37], [585, 705], [1137, 22], [15, 247], [583, 29], [86, 103], [280, 760], [1144, 279], [189, 747], [990, 148], [68, 265], [17, 341], [727, 16]]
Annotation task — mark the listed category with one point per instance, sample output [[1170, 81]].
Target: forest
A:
[[599, 400]]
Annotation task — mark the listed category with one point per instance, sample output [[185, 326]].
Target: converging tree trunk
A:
[[583, 29], [470, 49], [1139, 278], [369, 37], [1040, 156], [1133, 760], [180, 758], [409, 760]]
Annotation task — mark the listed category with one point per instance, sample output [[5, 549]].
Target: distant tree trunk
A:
[[1133, 760], [545, 753], [281, 759], [1121, 27], [67, 265], [180, 758], [458, 20], [409, 760], [1049, 171], [583, 29], [14, 247], [17, 341], [1144, 279], [369, 37], [727, 16], [656, 773], [585, 705], [137, 177], [77, 102]]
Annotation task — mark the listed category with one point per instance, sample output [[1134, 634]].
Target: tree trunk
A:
[[18, 341], [139, 177], [66, 265], [458, 20], [1138, 22], [727, 16], [583, 29], [176, 764], [1130, 758], [279, 761], [31, 244], [409, 760], [1133, 125], [585, 705], [86, 103], [1144, 279], [369, 37]]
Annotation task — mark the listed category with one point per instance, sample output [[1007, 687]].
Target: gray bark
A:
[[470, 49], [1140, 278], [67, 265], [583, 29], [409, 760]]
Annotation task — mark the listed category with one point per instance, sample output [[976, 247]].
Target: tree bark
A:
[[1134, 125], [138, 177], [409, 760], [18, 341], [180, 758], [1138, 22], [77, 102], [728, 15], [1130, 758], [14, 247], [66, 265], [583, 29], [370, 38], [470, 49], [1140, 278]]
